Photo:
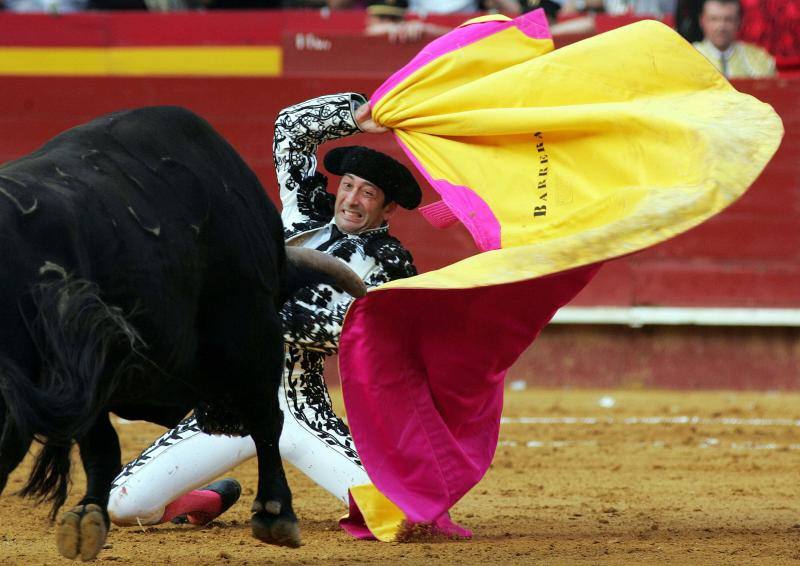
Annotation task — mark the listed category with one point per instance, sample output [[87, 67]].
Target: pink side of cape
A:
[[438, 214], [424, 401], [465, 205], [353, 523]]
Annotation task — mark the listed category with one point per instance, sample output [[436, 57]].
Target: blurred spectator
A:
[[152, 5], [179, 5], [387, 10], [687, 19], [512, 8], [117, 5], [332, 4], [173, 5], [720, 21], [48, 6], [424, 7], [658, 8], [771, 24], [242, 4], [387, 17]]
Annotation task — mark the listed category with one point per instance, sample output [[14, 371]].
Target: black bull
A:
[[141, 271]]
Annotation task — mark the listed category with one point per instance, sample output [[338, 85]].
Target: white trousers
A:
[[314, 440]]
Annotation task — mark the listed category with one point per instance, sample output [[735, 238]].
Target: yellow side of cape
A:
[[383, 518], [592, 151]]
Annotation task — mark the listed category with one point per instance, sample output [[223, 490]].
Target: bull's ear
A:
[[312, 260]]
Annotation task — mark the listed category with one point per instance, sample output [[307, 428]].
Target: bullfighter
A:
[[161, 484]]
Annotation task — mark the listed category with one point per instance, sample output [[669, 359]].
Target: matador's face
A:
[[360, 205]]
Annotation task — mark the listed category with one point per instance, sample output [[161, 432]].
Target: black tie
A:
[[336, 234]]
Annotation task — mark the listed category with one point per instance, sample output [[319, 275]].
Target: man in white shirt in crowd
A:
[[720, 20]]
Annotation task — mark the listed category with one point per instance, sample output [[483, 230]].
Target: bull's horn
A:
[[345, 277]]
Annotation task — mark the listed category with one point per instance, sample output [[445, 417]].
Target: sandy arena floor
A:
[[659, 477]]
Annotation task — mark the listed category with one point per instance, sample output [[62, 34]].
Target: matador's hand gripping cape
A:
[[555, 161]]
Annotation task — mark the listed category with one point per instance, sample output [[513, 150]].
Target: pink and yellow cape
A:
[[555, 161]]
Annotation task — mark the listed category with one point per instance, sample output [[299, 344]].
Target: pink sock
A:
[[199, 506]]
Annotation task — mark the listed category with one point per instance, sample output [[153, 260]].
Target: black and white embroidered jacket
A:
[[313, 317]]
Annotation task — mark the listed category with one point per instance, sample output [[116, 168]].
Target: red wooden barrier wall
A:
[[747, 256]]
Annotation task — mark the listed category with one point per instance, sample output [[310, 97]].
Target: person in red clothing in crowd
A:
[[775, 26]]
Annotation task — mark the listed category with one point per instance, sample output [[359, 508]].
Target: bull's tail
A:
[[85, 347], [49, 480], [12, 446]]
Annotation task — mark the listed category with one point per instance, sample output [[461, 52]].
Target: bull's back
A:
[[153, 206]]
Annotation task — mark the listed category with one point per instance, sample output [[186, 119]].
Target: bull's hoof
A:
[[82, 532], [280, 530]]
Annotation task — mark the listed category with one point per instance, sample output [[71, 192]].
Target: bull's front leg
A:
[[242, 339], [81, 531], [273, 520]]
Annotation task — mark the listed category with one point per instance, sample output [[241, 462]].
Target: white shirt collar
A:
[[727, 53]]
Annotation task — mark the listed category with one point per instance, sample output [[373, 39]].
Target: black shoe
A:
[[229, 491]]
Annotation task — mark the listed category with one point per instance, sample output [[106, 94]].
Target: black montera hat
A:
[[388, 174]]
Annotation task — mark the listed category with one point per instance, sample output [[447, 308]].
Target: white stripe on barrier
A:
[[704, 444], [636, 317], [682, 420]]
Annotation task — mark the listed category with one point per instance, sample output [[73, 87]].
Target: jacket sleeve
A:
[[299, 131], [313, 317]]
